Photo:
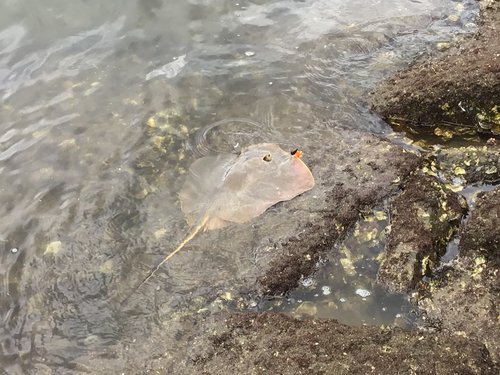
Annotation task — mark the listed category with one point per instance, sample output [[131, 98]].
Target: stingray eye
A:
[[267, 158], [297, 153]]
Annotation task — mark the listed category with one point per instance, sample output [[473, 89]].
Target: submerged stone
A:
[[53, 247]]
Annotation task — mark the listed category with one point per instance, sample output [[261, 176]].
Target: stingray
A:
[[228, 188]]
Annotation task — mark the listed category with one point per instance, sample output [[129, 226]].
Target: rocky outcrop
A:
[[464, 297], [272, 343], [460, 87], [423, 219]]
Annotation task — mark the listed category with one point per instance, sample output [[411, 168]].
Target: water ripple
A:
[[64, 58], [26, 143]]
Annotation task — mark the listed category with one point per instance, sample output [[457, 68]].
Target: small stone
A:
[[491, 170], [107, 267], [53, 247], [380, 215], [306, 308], [348, 266], [363, 292], [458, 170], [151, 122], [160, 233], [67, 142], [142, 194], [442, 46], [442, 132], [89, 340], [443, 217]]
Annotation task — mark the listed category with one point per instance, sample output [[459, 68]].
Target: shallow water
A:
[[99, 105], [345, 287]]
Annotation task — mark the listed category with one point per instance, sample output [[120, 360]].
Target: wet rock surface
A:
[[459, 86], [359, 176], [469, 165], [462, 86], [480, 236], [266, 343], [464, 297], [423, 219]]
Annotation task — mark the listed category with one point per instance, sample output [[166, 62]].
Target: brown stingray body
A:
[[229, 188], [236, 188]]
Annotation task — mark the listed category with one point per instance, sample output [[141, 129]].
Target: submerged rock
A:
[[423, 219]]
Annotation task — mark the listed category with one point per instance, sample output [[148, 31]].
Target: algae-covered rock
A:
[[464, 298], [423, 219], [480, 237], [272, 343], [460, 87], [468, 165], [465, 301]]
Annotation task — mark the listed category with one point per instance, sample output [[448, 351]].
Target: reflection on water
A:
[[99, 104]]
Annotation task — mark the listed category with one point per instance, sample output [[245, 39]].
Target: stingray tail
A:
[[189, 237]]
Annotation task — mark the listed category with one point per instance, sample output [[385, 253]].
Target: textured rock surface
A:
[[463, 86], [480, 237], [464, 298], [272, 343], [469, 165], [423, 219]]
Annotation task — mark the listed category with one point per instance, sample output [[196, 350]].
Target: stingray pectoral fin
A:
[[303, 179], [243, 213], [202, 183]]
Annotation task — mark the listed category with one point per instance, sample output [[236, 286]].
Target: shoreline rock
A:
[[273, 343], [460, 87], [365, 173], [424, 218], [464, 297]]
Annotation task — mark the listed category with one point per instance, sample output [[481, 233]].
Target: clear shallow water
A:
[[345, 287], [98, 101]]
